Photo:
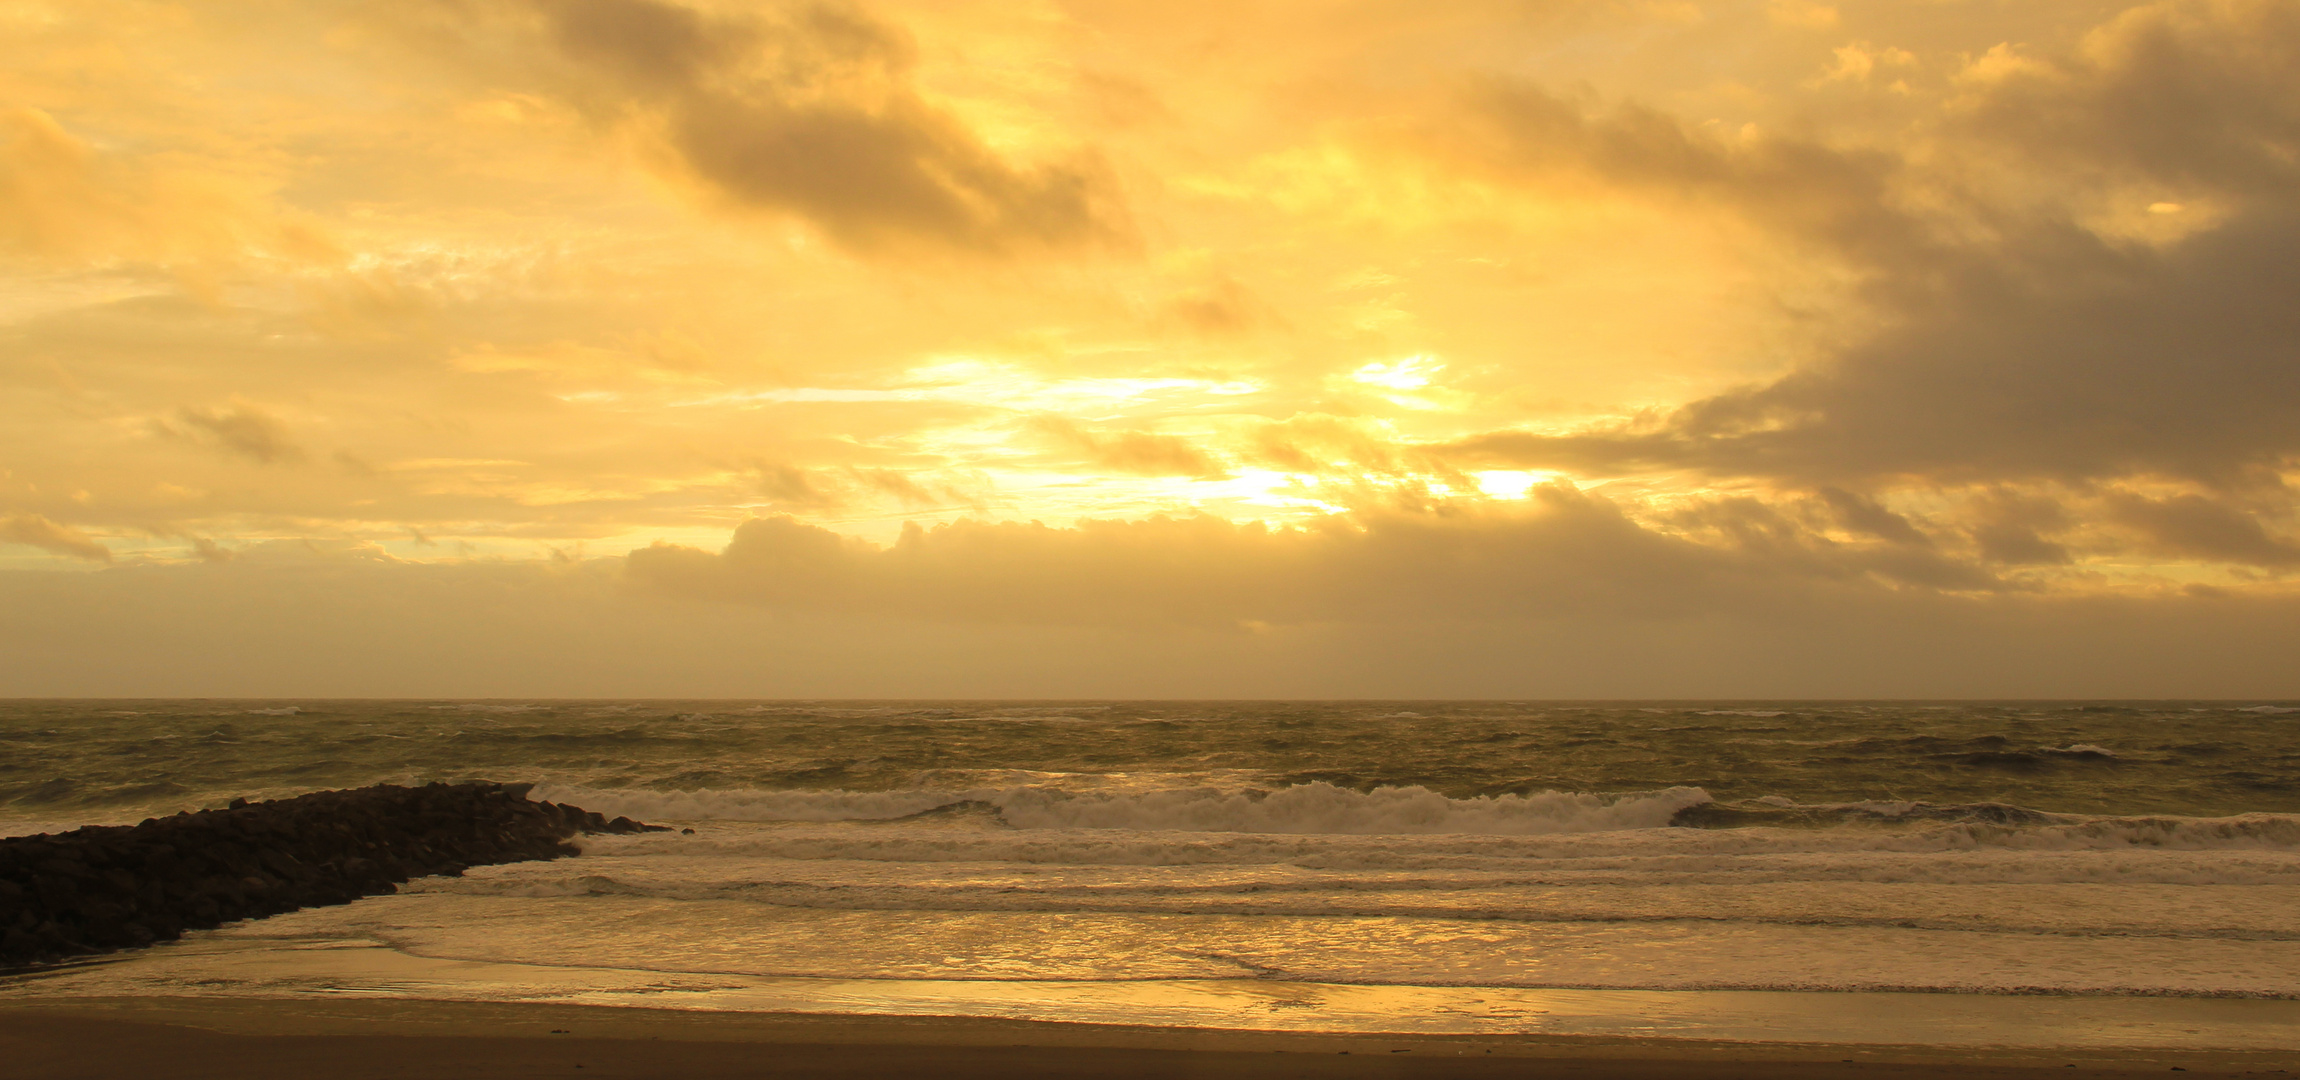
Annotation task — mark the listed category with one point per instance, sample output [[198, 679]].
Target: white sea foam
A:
[[1301, 808], [2108, 854], [1028, 852], [2154, 906], [1120, 803], [1324, 808]]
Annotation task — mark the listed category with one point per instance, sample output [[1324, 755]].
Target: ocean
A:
[[1438, 866]]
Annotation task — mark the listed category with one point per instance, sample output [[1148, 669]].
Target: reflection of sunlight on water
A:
[[212, 967]]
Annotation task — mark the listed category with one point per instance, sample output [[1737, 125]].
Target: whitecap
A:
[[1313, 808]]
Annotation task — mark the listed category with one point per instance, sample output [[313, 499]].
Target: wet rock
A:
[[119, 886]]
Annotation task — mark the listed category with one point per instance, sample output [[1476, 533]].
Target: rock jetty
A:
[[112, 887]]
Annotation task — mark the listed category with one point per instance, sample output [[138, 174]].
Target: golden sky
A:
[[1522, 347]]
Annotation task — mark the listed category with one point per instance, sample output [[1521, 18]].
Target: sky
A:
[[915, 348]]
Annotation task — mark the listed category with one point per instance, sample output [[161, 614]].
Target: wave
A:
[[2228, 851], [1312, 808], [1680, 820], [1780, 811], [1534, 899], [1978, 825]]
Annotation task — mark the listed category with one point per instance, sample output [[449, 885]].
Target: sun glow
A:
[[598, 291], [1001, 385], [1411, 373]]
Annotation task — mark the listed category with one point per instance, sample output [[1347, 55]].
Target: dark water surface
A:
[[1272, 862], [109, 760]]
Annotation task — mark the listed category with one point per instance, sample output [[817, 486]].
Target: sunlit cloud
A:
[[1986, 303], [1411, 373], [1511, 483], [999, 385]]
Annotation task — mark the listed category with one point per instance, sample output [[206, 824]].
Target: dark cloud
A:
[[1763, 536], [1571, 553], [37, 531], [1867, 518], [657, 46], [812, 110], [2104, 364], [894, 484], [2192, 526], [791, 487], [1842, 199], [311, 626], [2014, 343], [243, 430], [2011, 528], [2197, 95]]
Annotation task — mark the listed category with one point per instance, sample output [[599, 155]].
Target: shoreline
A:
[[264, 1038], [214, 970]]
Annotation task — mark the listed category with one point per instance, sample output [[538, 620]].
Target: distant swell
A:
[[1314, 808]]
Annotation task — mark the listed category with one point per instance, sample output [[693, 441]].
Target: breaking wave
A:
[[1313, 808]]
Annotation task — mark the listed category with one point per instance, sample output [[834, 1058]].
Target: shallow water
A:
[[1035, 851]]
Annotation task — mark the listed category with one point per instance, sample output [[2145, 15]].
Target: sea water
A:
[[1371, 866]]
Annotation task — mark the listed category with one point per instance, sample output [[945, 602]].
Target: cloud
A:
[[1802, 13], [790, 487], [2094, 364], [1137, 453], [1866, 517], [2011, 528], [53, 199], [891, 483], [37, 531], [2194, 526], [2005, 340], [310, 626], [1766, 537], [1563, 554], [811, 110], [1842, 199], [243, 430], [2196, 94], [1318, 443], [66, 200], [1858, 61], [1222, 309]]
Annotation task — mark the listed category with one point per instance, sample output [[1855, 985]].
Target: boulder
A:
[[118, 886]]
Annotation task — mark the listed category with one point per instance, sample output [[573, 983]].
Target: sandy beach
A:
[[191, 1038]]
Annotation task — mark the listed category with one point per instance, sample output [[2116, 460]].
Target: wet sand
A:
[[293, 1039]]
